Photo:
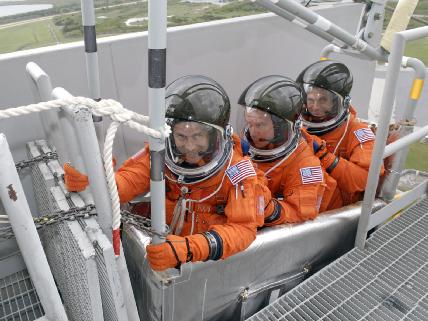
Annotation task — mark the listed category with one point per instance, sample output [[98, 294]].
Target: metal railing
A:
[[367, 220], [81, 143], [322, 27]]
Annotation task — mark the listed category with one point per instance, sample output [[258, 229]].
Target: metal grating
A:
[[18, 298], [386, 281]]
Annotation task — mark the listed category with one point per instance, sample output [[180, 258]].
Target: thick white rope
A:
[[105, 107], [108, 166]]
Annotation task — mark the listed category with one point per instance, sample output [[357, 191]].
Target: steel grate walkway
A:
[[386, 281], [18, 298]]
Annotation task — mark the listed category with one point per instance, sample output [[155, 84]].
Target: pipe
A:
[[330, 28], [15, 203], [405, 141], [50, 120], [267, 4], [394, 64], [86, 141], [391, 180], [68, 132], [92, 66], [157, 79], [87, 145], [327, 50]]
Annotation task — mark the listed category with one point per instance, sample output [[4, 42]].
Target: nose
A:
[[191, 146], [254, 132], [314, 107], [316, 104]]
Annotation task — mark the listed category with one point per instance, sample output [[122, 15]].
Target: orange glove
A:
[[75, 181], [177, 250]]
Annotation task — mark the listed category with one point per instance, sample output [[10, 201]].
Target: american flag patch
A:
[[364, 135], [239, 171], [311, 175]]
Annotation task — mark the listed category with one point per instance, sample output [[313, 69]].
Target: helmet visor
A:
[[267, 134], [323, 107], [193, 148]]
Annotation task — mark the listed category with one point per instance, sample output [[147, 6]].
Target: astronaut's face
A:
[[260, 127]]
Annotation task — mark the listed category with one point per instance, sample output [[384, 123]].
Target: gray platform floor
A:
[[386, 281]]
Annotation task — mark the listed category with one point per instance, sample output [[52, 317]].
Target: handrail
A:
[[395, 61], [267, 4], [49, 119], [317, 24], [80, 122]]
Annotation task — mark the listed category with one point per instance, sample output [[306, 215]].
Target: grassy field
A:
[[28, 36], [111, 21], [418, 49], [418, 157]]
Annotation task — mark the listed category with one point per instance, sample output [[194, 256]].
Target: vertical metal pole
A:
[[394, 65], [92, 66], [157, 79], [15, 203], [391, 180]]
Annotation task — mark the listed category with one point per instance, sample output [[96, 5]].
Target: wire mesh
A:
[[68, 251], [386, 281], [80, 255]]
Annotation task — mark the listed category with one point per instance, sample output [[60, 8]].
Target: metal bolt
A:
[[244, 295]]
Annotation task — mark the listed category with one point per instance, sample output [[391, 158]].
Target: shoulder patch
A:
[[311, 175], [240, 170], [364, 135]]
